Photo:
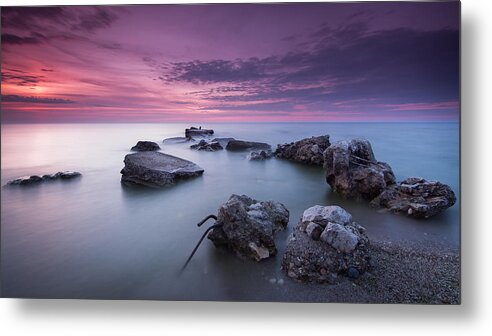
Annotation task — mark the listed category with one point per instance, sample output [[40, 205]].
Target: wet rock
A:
[[155, 169], [33, 179], [143, 146], [176, 140], [353, 172], [223, 141], [239, 145], [207, 146], [197, 131], [416, 197], [314, 230], [248, 226], [342, 245], [308, 151], [259, 155]]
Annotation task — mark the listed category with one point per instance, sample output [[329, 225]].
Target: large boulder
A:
[[197, 131], [207, 146], [326, 244], [308, 151], [248, 226], [144, 146], [240, 145], [33, 179], [416, 197], [353, 171], [155, 169]]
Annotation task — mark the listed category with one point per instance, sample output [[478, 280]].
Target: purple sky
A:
[[386, 61]]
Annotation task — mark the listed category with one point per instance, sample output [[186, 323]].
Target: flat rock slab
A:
[[155, 169], [194, 131], [240, 145], [27, 180], [176, 140]]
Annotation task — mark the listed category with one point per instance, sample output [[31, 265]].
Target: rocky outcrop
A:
[[248, 226], [197, 131], [26, 180], [307, 151], [155, 169], [259, 155], [353, 171], [223, 141], [416, 197], [326, 244], [143, 146], [240, 145], [207, 146]]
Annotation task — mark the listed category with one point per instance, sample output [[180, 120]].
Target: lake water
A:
[[94, 238]]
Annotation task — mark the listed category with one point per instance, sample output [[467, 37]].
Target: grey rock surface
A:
[[197, 131], [155, 169], [249, 226], [307, 151], [342, 245], [416, 197], [240, 145], [207, 146], [33, 179], [259, 155], [353, 171]]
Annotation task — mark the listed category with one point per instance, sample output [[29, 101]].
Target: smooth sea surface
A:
[[92, 237]]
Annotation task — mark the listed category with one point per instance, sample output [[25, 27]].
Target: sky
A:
[[386, 61]]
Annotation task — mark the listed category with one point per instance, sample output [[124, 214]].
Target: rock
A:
[[194, 131], [176, 140], [259, 155], [248, 226], [25, 180], [308, 151], [353, 172], [341, 246], [155, 169], [223, 141], [207, 146], [353, 273], [314, 230], [239, 145], [416, 197], [143, 146], [340, 237]]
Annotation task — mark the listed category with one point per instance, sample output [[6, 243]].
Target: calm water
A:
[[94, 238]]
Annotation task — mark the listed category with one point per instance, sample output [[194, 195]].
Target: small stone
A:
[[314, 230], [353, 273], [143, 146]]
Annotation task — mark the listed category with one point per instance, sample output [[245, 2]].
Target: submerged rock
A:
[[248, 226], [340, 249], [155, 169], [207, 146], [239, 145], [353, 172], [25, 180], [223, 141], [308, 151], [143, 146], [260, 155], [176, 140], [416, 197], [197, 131]]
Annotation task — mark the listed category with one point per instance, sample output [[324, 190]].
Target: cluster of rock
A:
[[144, 146], [155, 169], [197, 131], [211, 146], [326, 243], [307, 151], [354, 173], [248, 226], [260, 155], [63, 175]]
